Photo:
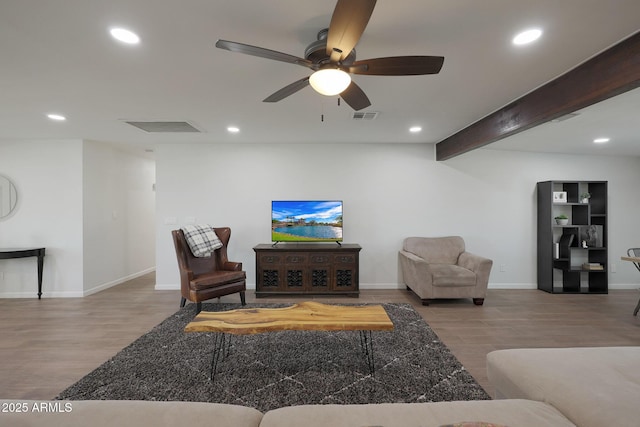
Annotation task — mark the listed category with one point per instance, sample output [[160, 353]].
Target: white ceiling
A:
[[57, 56], [615, 118]]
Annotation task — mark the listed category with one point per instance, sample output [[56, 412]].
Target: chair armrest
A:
[[232, 266], [186, 276], [479, 265], [414, 269], [413, 258]]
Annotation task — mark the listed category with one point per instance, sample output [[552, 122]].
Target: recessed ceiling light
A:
[[233, 129], [415, 129], [527, 36], [601, 140], [57, 117], [124, 35]]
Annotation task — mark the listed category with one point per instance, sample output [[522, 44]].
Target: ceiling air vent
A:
[[164, 127], [357, 115], [565, 117]]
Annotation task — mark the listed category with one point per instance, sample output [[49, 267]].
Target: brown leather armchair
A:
[[209, 277]]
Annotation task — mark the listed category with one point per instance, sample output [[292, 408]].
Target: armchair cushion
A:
[[202, 239], [216, 278], [451, 275]]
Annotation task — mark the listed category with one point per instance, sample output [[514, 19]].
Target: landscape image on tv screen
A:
[[306, 221]]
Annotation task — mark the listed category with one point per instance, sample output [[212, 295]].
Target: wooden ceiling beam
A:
[[610, 73]]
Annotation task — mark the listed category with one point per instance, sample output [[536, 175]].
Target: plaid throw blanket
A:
[[202, 239]]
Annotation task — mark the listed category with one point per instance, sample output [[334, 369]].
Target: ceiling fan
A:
[[333, 57]]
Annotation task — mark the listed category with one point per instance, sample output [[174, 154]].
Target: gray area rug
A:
[[276, 369]]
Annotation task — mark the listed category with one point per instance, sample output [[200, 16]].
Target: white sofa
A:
[[591, 386], [584, 387], [96, 413]]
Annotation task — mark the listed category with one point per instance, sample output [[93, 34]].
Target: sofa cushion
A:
[[128, 413], [451, 275], [514, 413], [436, 250], [592, 386], [474, 424]]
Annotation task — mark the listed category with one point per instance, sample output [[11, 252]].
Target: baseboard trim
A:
[[387, 286], [623, 286], [512, 286], [45, 294], [166, 287], [118, 281], [382, 286]]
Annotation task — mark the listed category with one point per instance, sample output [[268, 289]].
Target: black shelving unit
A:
[[563, 270]]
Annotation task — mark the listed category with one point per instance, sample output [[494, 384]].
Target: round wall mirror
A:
[[8, 197]]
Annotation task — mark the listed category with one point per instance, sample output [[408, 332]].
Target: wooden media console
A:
[[307, 268]]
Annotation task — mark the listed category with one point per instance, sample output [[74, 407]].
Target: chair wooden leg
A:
[[478, 301], [183, 301], [635, 312], [242, 298], [198, 307]]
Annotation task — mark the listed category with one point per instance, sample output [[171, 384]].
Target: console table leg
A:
[[40, 267]]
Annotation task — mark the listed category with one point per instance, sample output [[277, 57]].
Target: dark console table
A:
[[307, 268], [8, 253]]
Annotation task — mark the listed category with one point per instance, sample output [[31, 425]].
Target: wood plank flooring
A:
[[47, 345]]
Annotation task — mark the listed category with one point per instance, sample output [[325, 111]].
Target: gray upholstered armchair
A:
[[439, 267]]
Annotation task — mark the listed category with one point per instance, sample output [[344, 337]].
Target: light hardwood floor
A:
[[47, 345]]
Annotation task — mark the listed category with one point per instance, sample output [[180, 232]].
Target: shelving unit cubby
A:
[[564, 270]]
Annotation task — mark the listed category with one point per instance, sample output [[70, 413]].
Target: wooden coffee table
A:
[[305, 316]]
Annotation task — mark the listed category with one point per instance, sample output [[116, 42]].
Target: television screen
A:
[[306, 221]]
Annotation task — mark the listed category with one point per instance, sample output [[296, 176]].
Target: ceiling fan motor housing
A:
[[316, 52]]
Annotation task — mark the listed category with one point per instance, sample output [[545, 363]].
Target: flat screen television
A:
[[306, 221]]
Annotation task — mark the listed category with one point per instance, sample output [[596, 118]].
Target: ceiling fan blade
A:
[[350, 18], [263, 53], [288, 90], [355, 97], [398, 66]]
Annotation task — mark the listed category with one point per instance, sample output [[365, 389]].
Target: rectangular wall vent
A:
[[164, 127], [565, 117], [370, 115]]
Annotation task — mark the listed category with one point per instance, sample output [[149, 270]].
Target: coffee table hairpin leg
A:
[[366, 343], [221, 348]]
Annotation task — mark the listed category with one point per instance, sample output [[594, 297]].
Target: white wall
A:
[[68, 192], [119, 216], [48, 178], [390, 191]]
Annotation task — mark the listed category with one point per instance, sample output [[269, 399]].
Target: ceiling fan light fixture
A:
[[329, 81]]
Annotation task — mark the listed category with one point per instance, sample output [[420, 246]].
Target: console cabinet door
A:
[[320, 272], [270, 272], [295, 271], [345, 277]]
